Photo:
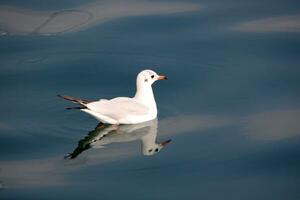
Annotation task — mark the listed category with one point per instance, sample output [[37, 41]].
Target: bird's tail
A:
[[82, 102]]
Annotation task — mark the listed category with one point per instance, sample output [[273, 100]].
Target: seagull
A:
[[124, 110]]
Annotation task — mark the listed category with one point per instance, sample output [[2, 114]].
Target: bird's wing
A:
[[118, 108]]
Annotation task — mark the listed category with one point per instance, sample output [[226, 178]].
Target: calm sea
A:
[[230, 106]]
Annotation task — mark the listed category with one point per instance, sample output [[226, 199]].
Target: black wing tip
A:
[[75, 108], [74, 99]]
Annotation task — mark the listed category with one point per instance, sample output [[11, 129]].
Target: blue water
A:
[[230, 106]]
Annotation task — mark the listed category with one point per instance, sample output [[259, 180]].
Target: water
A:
[[230, 105]]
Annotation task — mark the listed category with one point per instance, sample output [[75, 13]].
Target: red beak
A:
[[162, 77]]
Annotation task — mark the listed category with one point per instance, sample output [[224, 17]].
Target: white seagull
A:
[[124, 110]]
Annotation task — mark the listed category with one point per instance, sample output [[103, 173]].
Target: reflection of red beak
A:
[[165, 142], [162, 77]]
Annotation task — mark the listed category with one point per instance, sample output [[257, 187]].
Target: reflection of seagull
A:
[[125, 110], [105, 134]]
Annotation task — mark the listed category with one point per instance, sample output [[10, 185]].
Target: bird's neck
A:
[[144, 95]]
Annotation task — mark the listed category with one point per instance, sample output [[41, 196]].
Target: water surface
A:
[[230, 105]]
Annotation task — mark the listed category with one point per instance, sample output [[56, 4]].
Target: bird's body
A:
[[125, 110], [121, 110]]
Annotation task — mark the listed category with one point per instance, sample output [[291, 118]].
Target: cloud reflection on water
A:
[[272, 125], [289, 23], [34, 173], [24, 21]]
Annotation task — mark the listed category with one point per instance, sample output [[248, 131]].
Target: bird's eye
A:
[[152, 76], [156, 150]]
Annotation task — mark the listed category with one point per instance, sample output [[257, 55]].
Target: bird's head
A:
[[148, 77]]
